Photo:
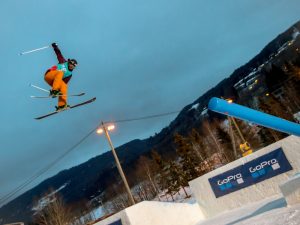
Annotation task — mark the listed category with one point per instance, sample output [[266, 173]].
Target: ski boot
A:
[[62, 107], [54, 93]]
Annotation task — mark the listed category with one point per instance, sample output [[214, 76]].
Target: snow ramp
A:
[[156, 213]]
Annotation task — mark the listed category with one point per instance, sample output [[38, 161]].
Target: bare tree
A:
[[119, 202], [146, 169], [201, 147], [211, 129], [82, 213], [55, 212]]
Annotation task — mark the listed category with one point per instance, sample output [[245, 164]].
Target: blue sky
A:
[[137, 57]]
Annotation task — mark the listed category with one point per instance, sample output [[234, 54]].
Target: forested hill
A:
[[92, 178]]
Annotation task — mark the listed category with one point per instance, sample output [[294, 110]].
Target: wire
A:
[[5, 198], [41, 172], [143, 118]]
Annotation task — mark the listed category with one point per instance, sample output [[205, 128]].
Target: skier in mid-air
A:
[[58, 77]]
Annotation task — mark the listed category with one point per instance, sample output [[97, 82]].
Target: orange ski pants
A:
[[55, 79]]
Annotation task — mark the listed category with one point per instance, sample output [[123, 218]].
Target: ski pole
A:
[[34, 50], [42, 89]]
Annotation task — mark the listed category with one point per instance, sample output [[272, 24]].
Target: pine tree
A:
[[265, 106], [197, 144], [199, 147], [271, 105], [211, 128], [187, 157], [225, 141], [292, 86], [275, 77], [157, 158], [293, 70], [297, 61], [163, 177], [267, 136], [177, 178]]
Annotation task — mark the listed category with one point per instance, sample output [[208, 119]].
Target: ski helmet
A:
[[73, 61]]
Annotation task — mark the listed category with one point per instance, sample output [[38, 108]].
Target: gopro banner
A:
[[252, 172], [118, 222]]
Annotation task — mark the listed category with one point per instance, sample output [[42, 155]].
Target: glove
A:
[[54, 45]]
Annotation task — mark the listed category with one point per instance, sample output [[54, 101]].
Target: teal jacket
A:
[[61, 66]]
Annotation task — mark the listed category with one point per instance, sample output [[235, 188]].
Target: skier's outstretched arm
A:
[[59, 56]]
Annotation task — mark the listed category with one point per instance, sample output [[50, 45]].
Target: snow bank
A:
[[157, 213], [212, 206], [271, 211], [291, 190], [163, 213]]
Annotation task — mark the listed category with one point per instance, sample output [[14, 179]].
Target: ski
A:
[[51, 96], [71, 107]]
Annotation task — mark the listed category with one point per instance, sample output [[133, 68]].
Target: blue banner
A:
[[250, 173], [118, 222]]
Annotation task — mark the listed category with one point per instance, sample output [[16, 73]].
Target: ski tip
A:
[[92, 99], [38, 118]]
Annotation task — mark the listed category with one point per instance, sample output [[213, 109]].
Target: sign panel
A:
[[118, 222], [255, 171]]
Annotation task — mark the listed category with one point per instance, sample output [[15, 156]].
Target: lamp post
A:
[[105, 130]]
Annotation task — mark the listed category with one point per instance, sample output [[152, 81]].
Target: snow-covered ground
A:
[[271, 211], [97, 213], [180, 196]]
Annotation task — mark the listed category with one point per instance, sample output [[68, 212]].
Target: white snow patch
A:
[[44, 201], [180, 196], [98, 212], [195, 106]]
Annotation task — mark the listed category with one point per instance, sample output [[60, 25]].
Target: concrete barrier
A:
[[211, 206], [157, 213]]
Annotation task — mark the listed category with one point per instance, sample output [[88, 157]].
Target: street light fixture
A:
[[109, 128], [104, 129]]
